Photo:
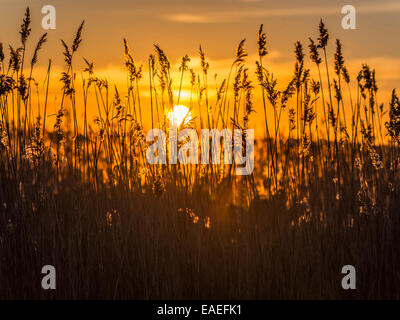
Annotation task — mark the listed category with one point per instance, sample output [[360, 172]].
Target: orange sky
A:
[[180, 26]]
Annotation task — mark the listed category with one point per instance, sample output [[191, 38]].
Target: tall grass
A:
[[84, 199]]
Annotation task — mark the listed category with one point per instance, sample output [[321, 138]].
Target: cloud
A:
[[229, 16], [388, 68], [188, 18]]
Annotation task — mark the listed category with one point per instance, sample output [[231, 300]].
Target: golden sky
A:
[[180, 26]]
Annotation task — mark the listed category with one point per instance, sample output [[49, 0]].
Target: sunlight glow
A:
[[179, 114]]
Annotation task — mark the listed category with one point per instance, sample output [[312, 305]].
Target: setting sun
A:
[[179, 114]]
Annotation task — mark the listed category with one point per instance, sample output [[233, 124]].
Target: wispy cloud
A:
[[189, 18], [229, 16]]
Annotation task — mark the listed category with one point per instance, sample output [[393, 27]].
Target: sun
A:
[[178, 114]]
